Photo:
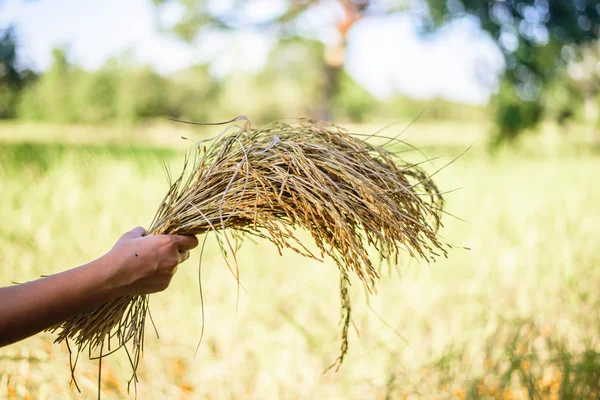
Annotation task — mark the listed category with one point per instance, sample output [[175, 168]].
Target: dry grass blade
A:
[[348, 194]]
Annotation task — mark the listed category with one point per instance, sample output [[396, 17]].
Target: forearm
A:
[[136, 265], [31, 307]]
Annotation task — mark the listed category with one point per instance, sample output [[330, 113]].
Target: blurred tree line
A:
[[12, 78], [290, 85], [540, 40], [550, 48]]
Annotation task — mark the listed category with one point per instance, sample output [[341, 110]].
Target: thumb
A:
[[135, 233]]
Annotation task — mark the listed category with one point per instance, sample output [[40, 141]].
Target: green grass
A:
[[517, 316]]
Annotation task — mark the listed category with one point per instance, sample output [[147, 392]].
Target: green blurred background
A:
[[84, 87]]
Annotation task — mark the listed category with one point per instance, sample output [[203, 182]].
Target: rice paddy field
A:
[[514, 316]]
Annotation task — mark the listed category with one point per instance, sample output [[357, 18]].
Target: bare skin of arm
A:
[[136, 265]]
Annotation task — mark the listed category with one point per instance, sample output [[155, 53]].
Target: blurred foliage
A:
[[513, 115], [289, 86], [68, 94], [534, 362], [550, 49], [536, 37], [352, 102], [191, 94], [199, 17], [12, 77]]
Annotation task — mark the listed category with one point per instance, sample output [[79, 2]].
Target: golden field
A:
[[517, 316]]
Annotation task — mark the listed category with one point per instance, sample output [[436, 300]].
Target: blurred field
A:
[[517, 316]]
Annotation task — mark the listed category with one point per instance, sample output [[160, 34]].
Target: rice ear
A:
[[350, 195]]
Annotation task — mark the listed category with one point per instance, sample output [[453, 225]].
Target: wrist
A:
[[109, 284]]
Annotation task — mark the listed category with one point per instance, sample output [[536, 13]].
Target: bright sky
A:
[[385, 54]]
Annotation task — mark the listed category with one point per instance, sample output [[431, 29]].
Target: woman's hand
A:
[[145, 264], [136, 265]]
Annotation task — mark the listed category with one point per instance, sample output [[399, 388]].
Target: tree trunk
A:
[[335, 57], [329, 91]]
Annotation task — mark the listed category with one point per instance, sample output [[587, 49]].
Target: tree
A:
[[584, 69], [190, 94], [198, 17], [50, 98], [12, 78], [534, 36]]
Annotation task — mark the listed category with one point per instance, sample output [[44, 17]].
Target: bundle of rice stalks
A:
[[348, 194]]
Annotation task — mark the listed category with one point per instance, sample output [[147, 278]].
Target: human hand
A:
[[146, 264], [136, 265]]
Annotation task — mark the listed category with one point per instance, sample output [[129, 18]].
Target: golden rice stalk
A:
[[348, 194]]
